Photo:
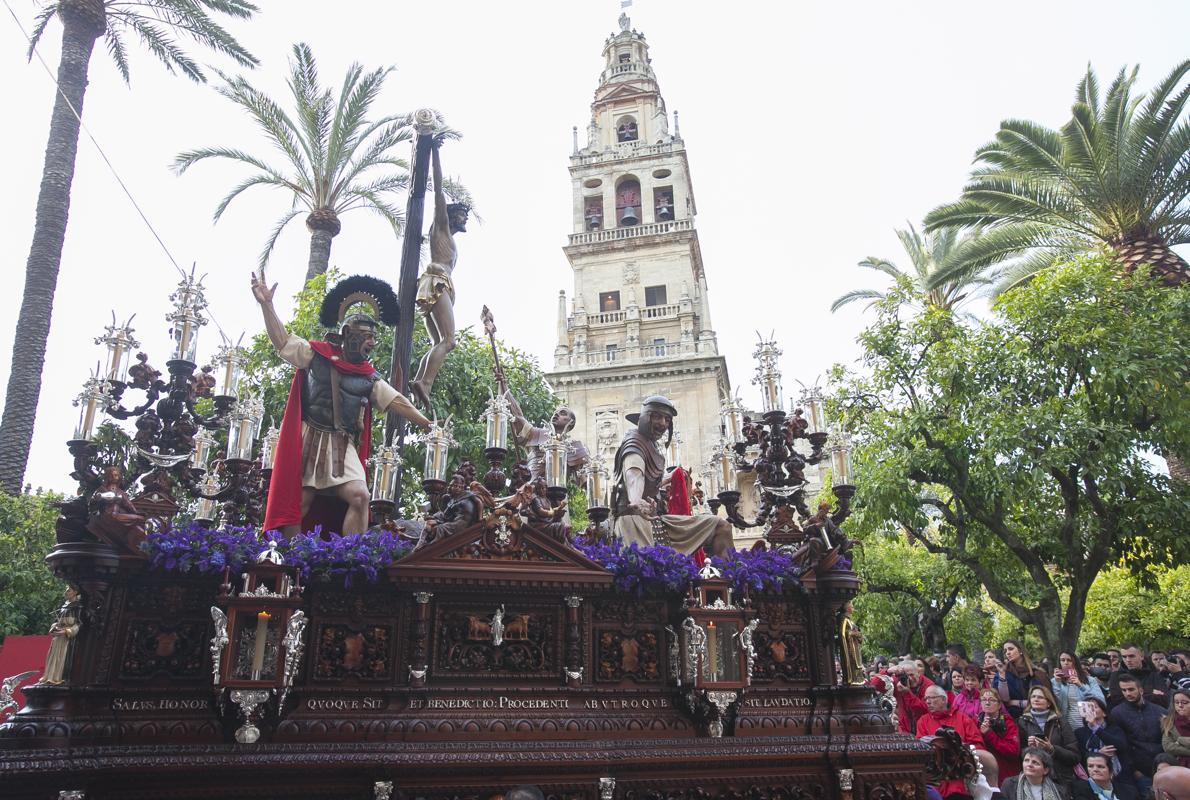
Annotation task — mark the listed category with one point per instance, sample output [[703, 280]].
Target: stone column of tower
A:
[[640, 320]]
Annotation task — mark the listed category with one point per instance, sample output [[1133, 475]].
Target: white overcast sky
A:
[[813, 130]]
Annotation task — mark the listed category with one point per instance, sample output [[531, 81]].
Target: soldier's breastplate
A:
[[318, 405]]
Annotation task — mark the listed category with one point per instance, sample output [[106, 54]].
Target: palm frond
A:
[[373, 200], [275, 123], [39, 25], [1018, 272], [312, 105], [882, 265], [458, 193], [115, 48], [286, 218], [189, 18], [959, 214], [857, 294], [157, 39], [358, 94], [183, 161], [262, 179]]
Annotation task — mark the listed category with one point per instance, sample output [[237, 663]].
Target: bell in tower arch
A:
[[629, 217]]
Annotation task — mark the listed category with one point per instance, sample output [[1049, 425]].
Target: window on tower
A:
[[593, 212], [655, 296], [609, 301], [628, 202], [626, 129], [663, 203], [625, 58], [659, 347], [611, 352]]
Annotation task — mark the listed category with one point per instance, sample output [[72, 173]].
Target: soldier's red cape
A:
[[284, 505], [679, 503]]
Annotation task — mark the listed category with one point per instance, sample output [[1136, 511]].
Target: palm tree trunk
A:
[[1135, 250], [1178, 470], [323, 224], [320, 253], [80, 30]]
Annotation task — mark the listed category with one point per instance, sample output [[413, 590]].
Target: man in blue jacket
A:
[[1141, 722]]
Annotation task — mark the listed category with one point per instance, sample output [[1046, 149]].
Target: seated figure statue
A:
[[639, 470]]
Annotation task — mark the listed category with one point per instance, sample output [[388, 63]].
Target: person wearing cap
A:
[[639, 469]]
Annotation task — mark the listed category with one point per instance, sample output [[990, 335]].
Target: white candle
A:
[[712, 651], [262, 633]]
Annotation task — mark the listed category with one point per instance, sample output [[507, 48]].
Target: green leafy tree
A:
[[157, 24], [1016, 448], [336, 157], [29, 593], [942, 275], [1152, 608], [922, 589], [461, 390], [1115, 177]]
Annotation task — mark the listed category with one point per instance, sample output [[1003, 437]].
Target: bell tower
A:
[[639, 321]]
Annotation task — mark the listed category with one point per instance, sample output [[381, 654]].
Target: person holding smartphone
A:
[[1013, 677], [1100, 736], [1042, 727], [1071, 686]]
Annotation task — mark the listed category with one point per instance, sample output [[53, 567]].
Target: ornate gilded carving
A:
[[628, 656], [343, 651], [488, 548], [154, 648], [781, 654], [466, 642]]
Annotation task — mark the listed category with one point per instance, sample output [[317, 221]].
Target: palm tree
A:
[[330, 148], [156, 23], [933, 255], [1116, 176]]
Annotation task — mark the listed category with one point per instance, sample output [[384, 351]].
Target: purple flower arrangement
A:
[[758, 571], [642, 571], [356, 555], [194, 548], [657, 569]]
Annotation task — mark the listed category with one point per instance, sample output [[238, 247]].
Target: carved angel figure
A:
[[9, 686], [219, 640]]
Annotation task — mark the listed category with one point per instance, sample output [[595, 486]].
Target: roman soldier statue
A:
[[639, 472], [318, 474]]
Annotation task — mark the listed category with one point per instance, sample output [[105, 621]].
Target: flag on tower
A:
[[625, 3]]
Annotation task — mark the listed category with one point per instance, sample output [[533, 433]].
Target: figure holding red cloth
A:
[[328, 419]]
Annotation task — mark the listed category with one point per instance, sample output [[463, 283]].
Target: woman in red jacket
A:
[[1000, 734]]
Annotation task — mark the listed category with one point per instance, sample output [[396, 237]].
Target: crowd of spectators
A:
[[1097, 727]]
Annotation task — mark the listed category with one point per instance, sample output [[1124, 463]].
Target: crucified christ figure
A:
[[435, 289]]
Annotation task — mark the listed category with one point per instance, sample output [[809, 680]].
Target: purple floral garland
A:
[[197, 549], [653, 570], [657, 569]]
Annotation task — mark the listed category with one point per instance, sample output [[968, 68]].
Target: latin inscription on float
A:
[[162, 704], [635, 702], [344, 704], [479, 703], [777, 702]]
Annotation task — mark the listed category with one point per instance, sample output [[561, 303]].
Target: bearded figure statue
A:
[[639, 474]]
